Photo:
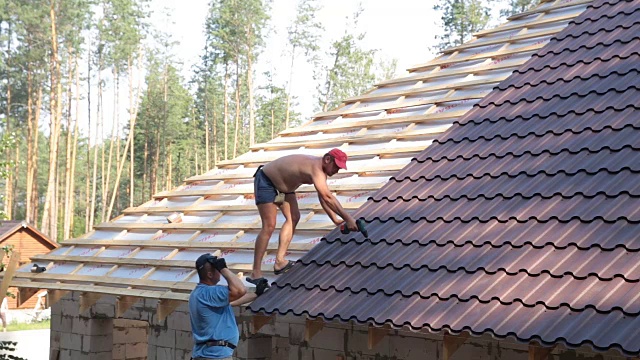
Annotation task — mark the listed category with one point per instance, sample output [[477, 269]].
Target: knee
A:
[[268, 227], [295, 218]]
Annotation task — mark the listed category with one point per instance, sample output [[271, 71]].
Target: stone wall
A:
[[95, 334]]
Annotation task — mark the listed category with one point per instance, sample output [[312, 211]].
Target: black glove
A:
[[261, 287], [219, 264]]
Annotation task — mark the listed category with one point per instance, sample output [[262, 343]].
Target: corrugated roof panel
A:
[[523, 219]]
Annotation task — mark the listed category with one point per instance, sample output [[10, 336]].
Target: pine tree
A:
[[460, 19]]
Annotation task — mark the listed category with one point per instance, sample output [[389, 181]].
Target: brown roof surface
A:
[[523, 219]]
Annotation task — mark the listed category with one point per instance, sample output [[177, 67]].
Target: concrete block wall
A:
[[130, 339], [96, 334], [347, 341]]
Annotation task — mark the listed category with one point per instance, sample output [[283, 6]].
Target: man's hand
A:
[[220, 264], [351, 224]]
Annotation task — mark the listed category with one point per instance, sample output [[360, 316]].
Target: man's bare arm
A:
[[236, 287], [330, 213], [320, 183]]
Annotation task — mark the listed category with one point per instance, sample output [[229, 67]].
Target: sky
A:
[[400, 29]]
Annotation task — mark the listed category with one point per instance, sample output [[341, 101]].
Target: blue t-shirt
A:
[[212, 319]]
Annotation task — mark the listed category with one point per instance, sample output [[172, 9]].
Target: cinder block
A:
[[280, 348], [101, 356], [79, 355], [103, 310], [412, 348], [54, 339], [358, 341], [254, 348], [65, 323], [151, 351], [164, 353], [163, 337], [184, 340], [181, 354], [329, 339], [97, 343], [70, 308], [179, 320], [70, 341], [282, 329], [296, 334], [119, 336], [138, 350], [136, 335], [118, 352]]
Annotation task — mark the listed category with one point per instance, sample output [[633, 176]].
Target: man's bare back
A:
[[289, 172], [284, 176]]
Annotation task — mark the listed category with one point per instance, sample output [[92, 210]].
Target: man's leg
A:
[[291, 214], [268, 213]]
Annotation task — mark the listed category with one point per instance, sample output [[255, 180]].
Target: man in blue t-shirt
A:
[[214, 327]]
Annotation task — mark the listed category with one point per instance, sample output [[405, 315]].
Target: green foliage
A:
[[272, 110], [351, 70], [304, 33], [459, 20], [517, 6]]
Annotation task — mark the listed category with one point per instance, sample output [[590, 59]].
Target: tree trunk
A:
[[237, 128], [30, 148], [34, 161], [286, 119], [74, 150], [8, 190], [226, 112], [95, 146], [206, 124], [87, 198], [66, 223], [49, 220], [125, 152], [131, 162], [114, 135], [215, 137], [252, 119]]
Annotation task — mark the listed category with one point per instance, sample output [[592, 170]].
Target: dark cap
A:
[[339, 157], [203, 259]]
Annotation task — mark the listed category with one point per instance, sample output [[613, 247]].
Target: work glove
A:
[[219, 264]]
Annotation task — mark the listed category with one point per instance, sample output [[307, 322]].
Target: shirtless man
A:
[[275, 185]]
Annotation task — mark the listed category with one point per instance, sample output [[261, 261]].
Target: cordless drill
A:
[[360, 222]]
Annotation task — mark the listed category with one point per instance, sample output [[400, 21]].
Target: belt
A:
[[218, 343]]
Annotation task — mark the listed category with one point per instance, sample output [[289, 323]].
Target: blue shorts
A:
[[263, 189]]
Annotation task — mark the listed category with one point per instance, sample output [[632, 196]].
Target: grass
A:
[[14, 326]]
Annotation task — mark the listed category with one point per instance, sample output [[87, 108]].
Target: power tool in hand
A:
[[360, 222]]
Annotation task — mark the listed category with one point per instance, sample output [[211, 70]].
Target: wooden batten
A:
[[258, 321], [165, 308], [9, 272], [123, 303], [312, 327], [55, 296], [376, 334], [539, 352], [25, 294], [87, 300], [452, 343]]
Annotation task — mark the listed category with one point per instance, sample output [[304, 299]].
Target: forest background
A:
[[101, 106]]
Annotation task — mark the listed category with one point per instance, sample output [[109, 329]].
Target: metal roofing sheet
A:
[[523, 219]]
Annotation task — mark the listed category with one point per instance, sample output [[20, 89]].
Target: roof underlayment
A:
[[523, 219], [140, 254]]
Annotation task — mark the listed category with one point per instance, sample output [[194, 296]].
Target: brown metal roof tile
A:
[[523, 219]]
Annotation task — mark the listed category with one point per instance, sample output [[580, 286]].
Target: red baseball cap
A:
[[339, 157]]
